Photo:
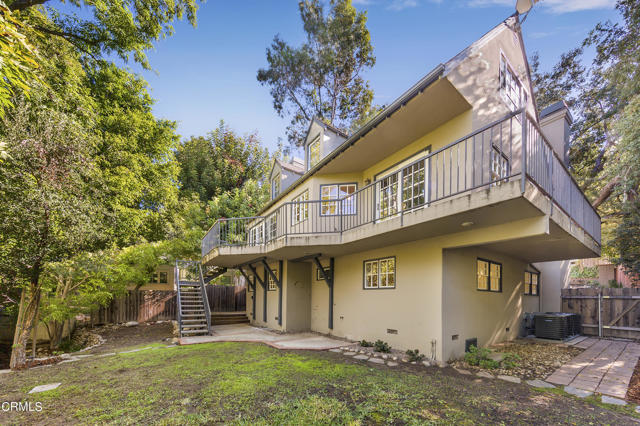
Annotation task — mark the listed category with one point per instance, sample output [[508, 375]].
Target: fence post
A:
[[599, 312]]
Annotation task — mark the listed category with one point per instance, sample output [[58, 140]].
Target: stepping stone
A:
[[5, 371], [338, 351], [70, 360], [349, 353], [540, 384], [376, 360], [361, 357], [611, 400], [511, 379], [44, 388], [484, 374], [392, 364], [83, 356], [462, 371], [577, 392], [108, 354], [426, 363]]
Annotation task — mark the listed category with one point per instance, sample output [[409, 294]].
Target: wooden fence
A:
[[607, 312], [156, 305]]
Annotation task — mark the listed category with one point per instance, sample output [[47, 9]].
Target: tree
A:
[[49, 212], [245, 201], [598, 95], [220, 162], [323, 77]]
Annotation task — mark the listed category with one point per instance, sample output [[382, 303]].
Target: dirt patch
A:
[[633, 392], [537, 360], [119, 336]]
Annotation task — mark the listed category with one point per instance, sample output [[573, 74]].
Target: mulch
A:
[[633, 392]]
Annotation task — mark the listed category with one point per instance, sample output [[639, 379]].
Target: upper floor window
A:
[[380, 273], [531, 281], [413, 186], [314, 152], [275, 186], [336, 192], [256, 234], [300, 211], [489, 275], [510, 87], [272, 227]]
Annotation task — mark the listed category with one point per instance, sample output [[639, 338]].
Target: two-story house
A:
[[424, 227]]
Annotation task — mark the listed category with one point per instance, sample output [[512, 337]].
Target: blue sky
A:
[[206, 74]]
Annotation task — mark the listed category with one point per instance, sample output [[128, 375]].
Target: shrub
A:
[[414, 355], [381, 346], [488, 364], [365, 343], [510, 360], [476, 355]]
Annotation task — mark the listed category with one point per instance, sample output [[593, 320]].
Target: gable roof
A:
[[297, 169], [319, 122]]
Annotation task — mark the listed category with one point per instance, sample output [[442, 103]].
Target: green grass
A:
[[243, 383]]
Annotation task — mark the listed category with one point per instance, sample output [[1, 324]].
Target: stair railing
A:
[[205, 299], [179, 307]]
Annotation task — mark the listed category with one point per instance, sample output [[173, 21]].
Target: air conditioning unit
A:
[[556, 325]]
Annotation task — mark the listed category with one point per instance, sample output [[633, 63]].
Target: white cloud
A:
[[554, 6], [362, 2], [402, 4]]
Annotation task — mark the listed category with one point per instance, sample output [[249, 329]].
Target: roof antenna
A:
[[523, 7]]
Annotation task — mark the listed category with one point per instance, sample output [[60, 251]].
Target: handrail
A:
[[179, 301], [205, 299]]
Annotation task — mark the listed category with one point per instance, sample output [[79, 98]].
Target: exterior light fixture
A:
[[466, 224]]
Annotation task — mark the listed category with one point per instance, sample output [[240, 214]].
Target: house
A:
[[431, 226]]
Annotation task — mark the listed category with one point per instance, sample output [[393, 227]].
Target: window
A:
[[275, 186], [163, 278], [489, 276], [256, 235], [154, 278], [499, 166], [380, 273], [314, 152], [388, 196], [336, 192], [300, 208], [272, 227], [510, 87], [531, 283], [271, 283], [318, 277], [413, 186]]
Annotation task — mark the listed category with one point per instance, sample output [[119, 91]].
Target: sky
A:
[[206, 74]]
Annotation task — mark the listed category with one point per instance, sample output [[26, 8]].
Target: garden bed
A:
[[535, 360]]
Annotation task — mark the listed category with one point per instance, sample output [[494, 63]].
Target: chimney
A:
[[555, 121]]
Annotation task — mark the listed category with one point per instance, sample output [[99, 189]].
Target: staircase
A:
[[225, 318], [194, 316]]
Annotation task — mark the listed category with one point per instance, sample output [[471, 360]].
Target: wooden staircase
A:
[[225, 318]]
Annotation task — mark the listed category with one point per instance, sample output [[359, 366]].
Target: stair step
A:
[[195, 332], [194, 316]]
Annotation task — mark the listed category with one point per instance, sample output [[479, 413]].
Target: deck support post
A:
[[328, 278], [251, 285], [263, 284], [278, 281]]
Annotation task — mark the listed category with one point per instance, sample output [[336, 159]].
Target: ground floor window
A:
[[489, 275], [531, 283], [271, 283], [380, 273]]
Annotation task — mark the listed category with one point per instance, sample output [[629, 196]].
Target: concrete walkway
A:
[[248, 333], [606, 367]]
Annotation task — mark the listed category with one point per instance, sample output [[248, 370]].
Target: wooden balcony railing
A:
[[488, 157]]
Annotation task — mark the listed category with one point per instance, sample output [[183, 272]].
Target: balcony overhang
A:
[[428, 110], [526, 226]]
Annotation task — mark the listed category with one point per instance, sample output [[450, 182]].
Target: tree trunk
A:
[[57, 329], [606, 192], [26, 321]]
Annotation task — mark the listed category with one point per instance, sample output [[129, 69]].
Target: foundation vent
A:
[[391, 331], [470, 342]]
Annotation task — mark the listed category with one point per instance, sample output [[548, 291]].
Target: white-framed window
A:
[[159, 278], [489, 276], [300, 211], [314, 152], [256, 234], [336, 192], [499, 167], [510, 86], [388, 196], [271, 283], [380, 273], [275, 186], [531, 283], [272, 227], [413, 186]]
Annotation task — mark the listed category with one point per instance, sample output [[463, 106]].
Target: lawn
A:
[[247, 383]]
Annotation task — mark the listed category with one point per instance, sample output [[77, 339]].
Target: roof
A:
[[317, 120], [298, 169]]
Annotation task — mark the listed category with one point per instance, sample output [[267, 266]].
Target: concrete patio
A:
[[248, 333], [606, 367]]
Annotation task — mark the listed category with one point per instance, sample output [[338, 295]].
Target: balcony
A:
[[484, 163]]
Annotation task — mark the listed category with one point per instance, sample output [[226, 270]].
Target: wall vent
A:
[[470, 342], [391, 331]]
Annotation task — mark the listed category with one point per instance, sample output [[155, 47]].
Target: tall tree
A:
[[220, 162], [323, 77], [598, 94]]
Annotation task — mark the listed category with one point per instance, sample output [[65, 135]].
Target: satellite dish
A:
[[523, 6]]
